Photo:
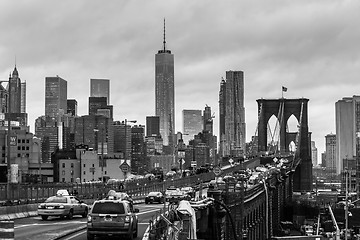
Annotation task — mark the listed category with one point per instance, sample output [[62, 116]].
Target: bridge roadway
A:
[[256, 211]]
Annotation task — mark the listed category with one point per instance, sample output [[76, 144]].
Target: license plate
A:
[[50, 207]]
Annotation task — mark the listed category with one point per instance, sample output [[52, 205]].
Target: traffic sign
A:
[[217, 171], [124, 167]]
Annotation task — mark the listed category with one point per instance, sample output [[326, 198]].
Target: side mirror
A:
[[136, 210]]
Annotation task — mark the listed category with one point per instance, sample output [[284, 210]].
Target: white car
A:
[[62, 206]]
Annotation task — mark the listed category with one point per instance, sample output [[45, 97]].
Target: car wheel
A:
[[84, 215], [44, 217], [70, 215], [90, 236]]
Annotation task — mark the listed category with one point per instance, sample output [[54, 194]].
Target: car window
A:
[[74, 200], [153, 194], [56, 200], [108, 208]]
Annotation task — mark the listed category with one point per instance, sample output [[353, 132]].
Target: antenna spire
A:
[[164, 42]]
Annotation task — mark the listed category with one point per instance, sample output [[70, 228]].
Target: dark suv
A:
[[111, 217]]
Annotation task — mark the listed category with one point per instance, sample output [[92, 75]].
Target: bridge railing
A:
[[34, 193]]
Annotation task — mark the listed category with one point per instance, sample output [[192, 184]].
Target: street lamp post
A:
[[8, 191]]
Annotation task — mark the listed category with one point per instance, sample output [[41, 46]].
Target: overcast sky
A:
[[311, 47]]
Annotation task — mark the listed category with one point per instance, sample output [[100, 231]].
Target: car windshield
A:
[[108, 208], [56, 200]]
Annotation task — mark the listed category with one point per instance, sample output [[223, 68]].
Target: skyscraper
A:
[[55, 96], [347, 112], [153, 126], [100, 88], [208, 120], [330, 153], [232, 114], [192, 124], [17, 104], [15, 89], [164, 93], [72, 107]]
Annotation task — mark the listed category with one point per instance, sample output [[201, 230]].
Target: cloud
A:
[[308, 46]]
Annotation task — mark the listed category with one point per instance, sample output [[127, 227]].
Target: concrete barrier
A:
[[7, 230]]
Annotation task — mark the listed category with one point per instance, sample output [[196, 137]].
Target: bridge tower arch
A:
[[283, 109]]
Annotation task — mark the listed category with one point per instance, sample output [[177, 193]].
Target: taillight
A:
[[41, 206], [127, 219], [89, 218]]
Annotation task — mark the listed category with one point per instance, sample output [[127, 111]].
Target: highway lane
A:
[[35, 228]]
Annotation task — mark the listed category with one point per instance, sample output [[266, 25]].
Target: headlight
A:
[[41, 206], [89, 219], [62, 206], [127, 219]]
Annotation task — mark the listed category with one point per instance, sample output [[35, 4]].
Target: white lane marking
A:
[[154, 210], [48, 223]]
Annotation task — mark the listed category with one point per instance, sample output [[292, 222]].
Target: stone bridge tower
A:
[[298, 107]]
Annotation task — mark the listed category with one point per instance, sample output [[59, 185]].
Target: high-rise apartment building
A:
[[122, 139], [96, 103], [314, 154], [139, 165], [347, 112], [55, 96], [100, 88], [330, 153], [72, 107], [208, 120], [192, 124], [153, 126], [232, 129], [95, 131], [164, 93]]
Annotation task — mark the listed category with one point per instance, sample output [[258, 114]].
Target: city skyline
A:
[[308, 47]]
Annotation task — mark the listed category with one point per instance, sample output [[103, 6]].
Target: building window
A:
[[105, 173], [23, 148], [19, 148], [23, 141], [28, 155], [84, 164], [72, 165], [27, 148], [63, 172], [27, 141], [19, 140], [63, 180], [93, 165], [84, 173], [19, 155], [71, 180], [63, 165]]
